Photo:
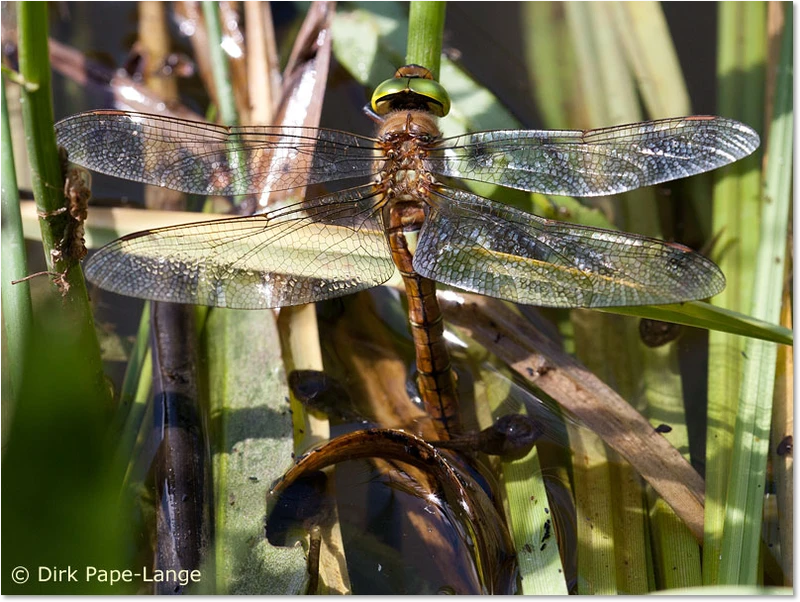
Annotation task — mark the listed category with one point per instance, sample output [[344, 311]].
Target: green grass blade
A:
[[540, 567], [580, 27], [742, 55], [135, 391], [675, 550], [710, 317], [550, 59], [135, 430], [133, 370], [742, 533], [740, 71], [642, 29], [532, 519], [619, 102], [730, 590], [37, 112], [16, 299], [596, 541]]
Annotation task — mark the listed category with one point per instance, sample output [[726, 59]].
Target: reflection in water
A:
[[511, 436], [379, 509], [442, 511], [300, 507]]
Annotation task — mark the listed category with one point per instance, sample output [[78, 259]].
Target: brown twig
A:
[[586, 397]]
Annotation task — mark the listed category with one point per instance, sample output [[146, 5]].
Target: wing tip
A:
[[747, 137]]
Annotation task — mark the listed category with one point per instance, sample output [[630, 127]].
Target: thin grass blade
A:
[[16, 299], [745, 498], [740, 72]]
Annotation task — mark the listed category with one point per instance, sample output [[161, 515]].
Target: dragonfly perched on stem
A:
[[355, 238]]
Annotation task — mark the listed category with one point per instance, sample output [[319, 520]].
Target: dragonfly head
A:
[[414, 88]]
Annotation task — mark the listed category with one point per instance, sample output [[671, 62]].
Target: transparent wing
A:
[[481, 246], [203, 158], [319, 249], [595, 162]]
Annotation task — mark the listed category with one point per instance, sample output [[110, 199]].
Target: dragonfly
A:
[[396, 209]]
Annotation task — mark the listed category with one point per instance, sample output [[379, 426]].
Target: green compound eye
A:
[[411, 92]]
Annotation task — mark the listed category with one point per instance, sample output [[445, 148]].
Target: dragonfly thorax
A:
[[409, 125], [406, 138]]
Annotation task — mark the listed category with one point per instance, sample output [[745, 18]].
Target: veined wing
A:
[[481, 246], [319, 249], [203, 158], [595, 162]]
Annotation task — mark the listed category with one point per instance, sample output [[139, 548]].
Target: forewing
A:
[[595, 162], [481, 246], [203, 158], [319, 249]]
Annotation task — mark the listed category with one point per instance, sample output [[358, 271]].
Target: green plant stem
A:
[[220, 68], [47, 183], [37, 113], [425, 31], [219, 65], [16, 299]]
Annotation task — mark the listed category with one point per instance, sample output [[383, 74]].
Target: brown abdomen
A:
[[435, 379]]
